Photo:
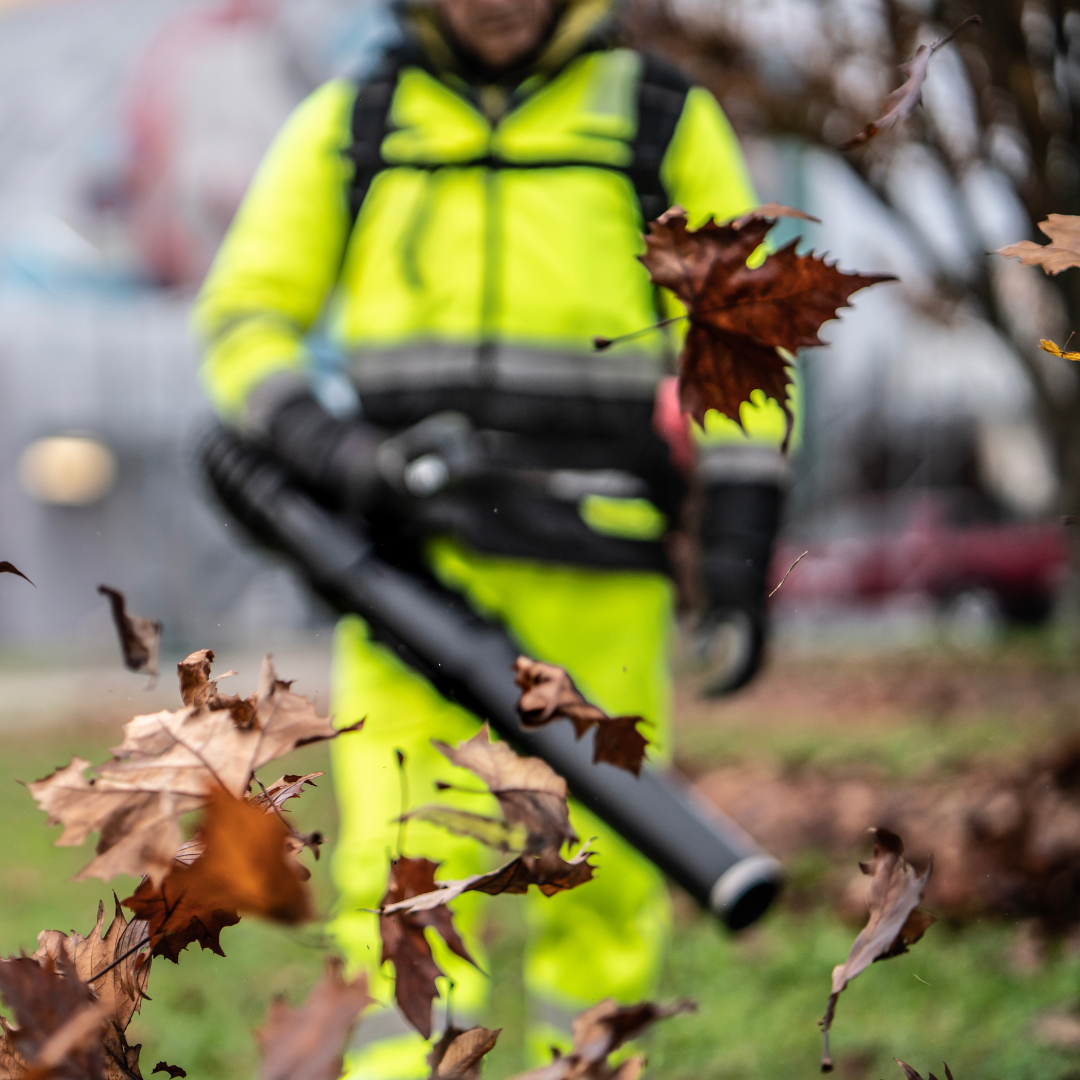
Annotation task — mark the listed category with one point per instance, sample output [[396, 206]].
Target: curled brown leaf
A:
[[529, 791], [140, 638], [404, 942], [306, 1042], [173, 1071], [895, 922], [598, 1032], [11, 568], [548, 693], [115, 963], [59, 1030], [167, 763], [1063, 251], [458, 1054], [549, 871], [904, 100], [244, 867]]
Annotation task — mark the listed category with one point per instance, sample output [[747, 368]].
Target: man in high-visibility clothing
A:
[[462, 227]]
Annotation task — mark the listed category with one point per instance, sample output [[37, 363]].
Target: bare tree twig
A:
[[789, 569]]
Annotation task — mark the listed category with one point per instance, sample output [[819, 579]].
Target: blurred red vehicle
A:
[[947, 545]]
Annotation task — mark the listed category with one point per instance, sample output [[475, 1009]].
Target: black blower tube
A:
[[470, 660]]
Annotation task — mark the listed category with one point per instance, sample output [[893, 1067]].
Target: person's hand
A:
[[424, 459]]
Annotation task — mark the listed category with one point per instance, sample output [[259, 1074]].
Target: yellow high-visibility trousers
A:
[[611, 631]]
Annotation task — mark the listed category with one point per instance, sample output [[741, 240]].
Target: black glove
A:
[[739, 524], [358, 467], [738, 528]]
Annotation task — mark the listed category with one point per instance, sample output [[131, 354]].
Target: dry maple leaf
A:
[[599, 1031], [740, 316], [1056, 350], [548, 693], [529, 791], [895, 921], [11, 568], [904, 100], [174, 1071], [115, 964], [458, 1054], [165, 766], [306, 1042], [59, 1022], [140, 638], [177, 922], [549, 871], [911, 1074], [273, 799], [245, 866], [1063, 251], [404, 943]]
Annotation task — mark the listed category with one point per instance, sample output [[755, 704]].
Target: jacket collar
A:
[[580, 26]]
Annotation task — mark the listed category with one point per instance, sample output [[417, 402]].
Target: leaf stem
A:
[[119, 960]]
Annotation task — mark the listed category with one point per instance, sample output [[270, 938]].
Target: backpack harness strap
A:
[[662, 94]]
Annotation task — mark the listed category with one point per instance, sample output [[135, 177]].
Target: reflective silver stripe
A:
[[746, 464], [423, 366], [738, 880]]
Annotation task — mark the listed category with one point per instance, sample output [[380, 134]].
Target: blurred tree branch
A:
[[1003, 102]]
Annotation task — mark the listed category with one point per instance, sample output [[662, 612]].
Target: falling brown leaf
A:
[[458, 1054], [895, 922], [59, 1022], [549, 871], [548, 693], [1063, 251], [175, 922], [174, 1071], [273, 800], [529, 791], [122, 950], [404, 943], [741, 316], [904, 100], [306, 1042], [911, 1074], [11, 568], [244, 867], [165, 766], [598, 1032], [140, 638]]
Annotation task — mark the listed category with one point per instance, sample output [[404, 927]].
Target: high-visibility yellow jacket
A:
[[490, 251]]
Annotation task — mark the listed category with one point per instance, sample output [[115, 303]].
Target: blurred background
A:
[[922, 671]]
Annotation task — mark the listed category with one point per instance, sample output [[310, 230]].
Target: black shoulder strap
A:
[[369, 126], [661, 99]]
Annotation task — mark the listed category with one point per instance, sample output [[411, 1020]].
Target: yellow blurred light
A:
[[67, 470]]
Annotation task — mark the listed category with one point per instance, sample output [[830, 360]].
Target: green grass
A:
[[958, 996]]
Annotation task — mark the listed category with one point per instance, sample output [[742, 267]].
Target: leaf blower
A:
[[470, 660]]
